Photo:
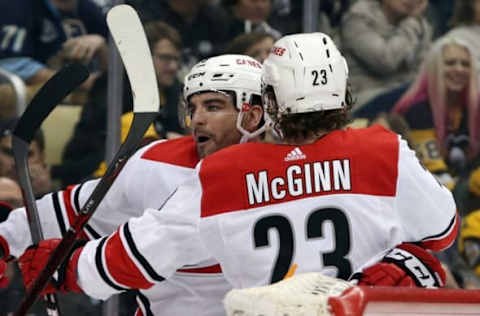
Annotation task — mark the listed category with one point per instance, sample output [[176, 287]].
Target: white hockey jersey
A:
[[146, 181], [334, 206]]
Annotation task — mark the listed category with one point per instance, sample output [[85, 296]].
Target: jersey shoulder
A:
[[233, 178], [180, 152], [363, 138], [372, 143]]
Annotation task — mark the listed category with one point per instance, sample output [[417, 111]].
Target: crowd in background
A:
[[413, 67]]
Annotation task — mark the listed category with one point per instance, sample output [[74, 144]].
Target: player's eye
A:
[[213, 108]]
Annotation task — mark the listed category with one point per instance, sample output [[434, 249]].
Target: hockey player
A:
[[319, 199], [224, 95]]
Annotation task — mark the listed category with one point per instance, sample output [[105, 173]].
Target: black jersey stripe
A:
[[76, 202], [92, 232], [58, 213], [101, 269], [445, 231], [76, 199], [138, 256], [145, 304]]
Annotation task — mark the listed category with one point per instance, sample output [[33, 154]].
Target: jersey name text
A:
[[298, 180]]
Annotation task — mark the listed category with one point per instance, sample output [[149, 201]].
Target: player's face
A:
[[166, 59], [213, 122], [457, 68]]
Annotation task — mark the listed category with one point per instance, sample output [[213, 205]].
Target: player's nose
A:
[[199, 117]]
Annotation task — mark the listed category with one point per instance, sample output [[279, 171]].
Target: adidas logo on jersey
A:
[[295, 154]]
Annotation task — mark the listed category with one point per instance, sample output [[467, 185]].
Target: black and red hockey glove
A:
[[36, 257], [405, 265]]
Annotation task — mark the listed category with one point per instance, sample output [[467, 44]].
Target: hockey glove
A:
[[36, 257], [405, 265]]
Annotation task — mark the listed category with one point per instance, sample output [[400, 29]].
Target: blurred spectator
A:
[[469, 248], [10, 194], [86, 149], [466, 24], [384, 42], [396, 123], [382, 102], [442, 110], [256, 45], [439, 13], [200, 24], [39, 36], [39, 171], [287, 15], [472, 198], [248, 16]]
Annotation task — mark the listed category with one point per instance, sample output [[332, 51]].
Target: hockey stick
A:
[[52, 93], [129, 36]]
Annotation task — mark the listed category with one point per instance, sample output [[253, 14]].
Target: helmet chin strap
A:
[[246, 135]]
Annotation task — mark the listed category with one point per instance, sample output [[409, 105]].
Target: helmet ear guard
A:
[[270, 109]]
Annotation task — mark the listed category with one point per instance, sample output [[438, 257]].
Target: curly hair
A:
[[303, 125]]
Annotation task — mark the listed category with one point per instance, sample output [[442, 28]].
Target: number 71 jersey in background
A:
[[334, 206]]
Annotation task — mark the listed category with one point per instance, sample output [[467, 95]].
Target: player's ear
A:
[[253, 117]]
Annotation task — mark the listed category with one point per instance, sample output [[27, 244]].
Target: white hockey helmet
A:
[[307, 73], [239, 74]]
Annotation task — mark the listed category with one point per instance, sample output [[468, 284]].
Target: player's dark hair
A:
[[303, 125]]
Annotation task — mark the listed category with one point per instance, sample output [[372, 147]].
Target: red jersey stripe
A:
[[122, 269], [71, 214], [210, 269], [67, 202], [444, 241]]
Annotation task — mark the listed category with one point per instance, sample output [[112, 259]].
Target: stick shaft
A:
[[141, 121], [42, 104]]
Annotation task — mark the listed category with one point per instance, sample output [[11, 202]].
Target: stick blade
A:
[[47, 98], [129, 36]]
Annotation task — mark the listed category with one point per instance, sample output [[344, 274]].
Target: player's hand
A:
[[36, 257], [406, 265]]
